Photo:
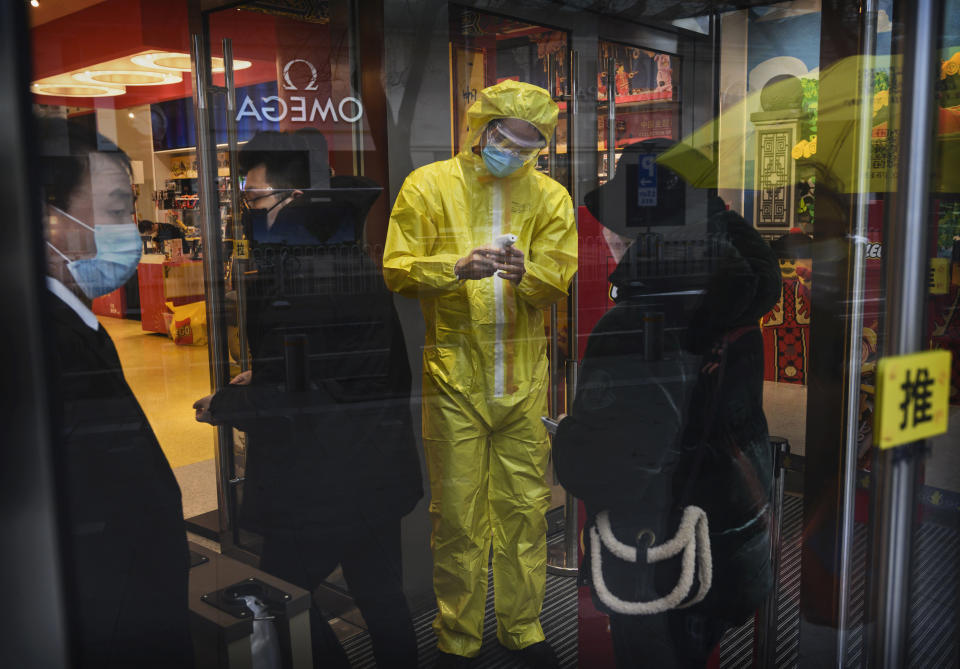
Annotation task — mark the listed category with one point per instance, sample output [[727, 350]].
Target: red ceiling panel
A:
[[121, 28]]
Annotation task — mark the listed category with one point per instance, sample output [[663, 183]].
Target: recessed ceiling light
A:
[[180, 62], [127, 77], [130, 114], [34, 3], [78, 90]]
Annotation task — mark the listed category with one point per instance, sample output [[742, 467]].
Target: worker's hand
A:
[[202, 407], [512, 267], [242, 379], [479, 264]]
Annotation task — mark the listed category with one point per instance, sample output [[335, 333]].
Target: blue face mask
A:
[[500, 163], [118, 253]]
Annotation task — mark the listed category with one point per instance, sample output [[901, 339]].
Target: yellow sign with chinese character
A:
[[913, 393], [939, 276], [241, 249]]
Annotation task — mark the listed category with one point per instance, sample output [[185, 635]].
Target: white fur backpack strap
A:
[[692, 538]]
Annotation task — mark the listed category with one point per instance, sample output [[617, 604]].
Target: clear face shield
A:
[[500, 137], [507, 149]]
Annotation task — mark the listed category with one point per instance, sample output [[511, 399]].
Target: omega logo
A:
[[288, 85], [275, 109]]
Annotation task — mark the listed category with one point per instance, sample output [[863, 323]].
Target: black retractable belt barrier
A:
[[222, 623], [765, 643]]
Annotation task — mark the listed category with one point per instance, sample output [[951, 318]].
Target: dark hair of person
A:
[[65, 148], [285, 155], [145, 226]]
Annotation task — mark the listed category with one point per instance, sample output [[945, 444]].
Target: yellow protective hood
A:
[[512, 99]]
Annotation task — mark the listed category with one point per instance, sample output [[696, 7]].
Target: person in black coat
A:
[[331, 460], [124, 540], [162, 232], [675, 370]]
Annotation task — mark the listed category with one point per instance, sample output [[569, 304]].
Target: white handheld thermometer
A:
[[503, 242]]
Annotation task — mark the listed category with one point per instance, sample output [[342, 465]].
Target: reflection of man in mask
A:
[[331, 464], [271, 193], [484, 363], [277, 168], [125, 535]]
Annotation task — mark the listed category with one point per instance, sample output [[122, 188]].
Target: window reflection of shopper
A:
[[162, 232], [331, 469], [484, 363], [271, 193], [127, 558], [668, 416]]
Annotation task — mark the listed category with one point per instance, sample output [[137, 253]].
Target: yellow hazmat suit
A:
[[485, 369]]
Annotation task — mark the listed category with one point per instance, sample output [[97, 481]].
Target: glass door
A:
[[638, 98], [254, 157], [486, 49], [287, 122], [855, 531]]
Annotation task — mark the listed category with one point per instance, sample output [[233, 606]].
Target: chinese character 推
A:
[[916, 393]]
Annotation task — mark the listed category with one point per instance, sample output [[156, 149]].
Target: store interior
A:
[[136, 91]]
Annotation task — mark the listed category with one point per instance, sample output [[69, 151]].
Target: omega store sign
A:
[[313, 88], [296, 103], [300, 105]]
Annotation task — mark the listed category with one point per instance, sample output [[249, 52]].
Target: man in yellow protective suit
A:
[[486, 243]]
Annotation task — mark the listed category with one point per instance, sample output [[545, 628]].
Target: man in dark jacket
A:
[[668, 415], [331, 462], [125, 548], [162, 232]]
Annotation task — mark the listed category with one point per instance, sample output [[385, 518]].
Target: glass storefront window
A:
[[362, 313], [487, 49], [646, 99]]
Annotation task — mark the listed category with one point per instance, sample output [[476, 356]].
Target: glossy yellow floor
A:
[[166, 380]]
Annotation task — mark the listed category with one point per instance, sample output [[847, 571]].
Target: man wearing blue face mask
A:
[[127, 559], [117, 252]]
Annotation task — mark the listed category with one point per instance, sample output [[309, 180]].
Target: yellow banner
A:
[[939, 279], [913, 394], [241, 249]]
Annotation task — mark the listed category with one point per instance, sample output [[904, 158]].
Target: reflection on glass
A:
[[693, 135], [330, 466], [645, 89], [667, 442]]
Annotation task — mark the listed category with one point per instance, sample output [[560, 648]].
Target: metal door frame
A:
[[37, 633], [213, 268], [897, 472], [227, 529]]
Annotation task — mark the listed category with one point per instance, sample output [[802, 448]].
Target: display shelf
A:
[[655, 104], [192, 176], [641, 98], [190, 149]]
